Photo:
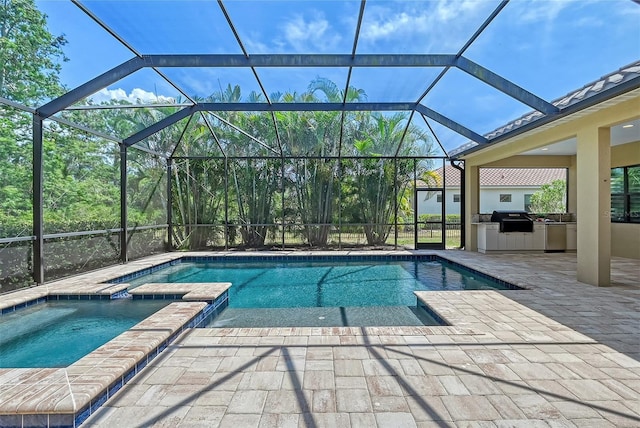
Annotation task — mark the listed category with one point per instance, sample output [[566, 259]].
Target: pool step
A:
[[323, 317]]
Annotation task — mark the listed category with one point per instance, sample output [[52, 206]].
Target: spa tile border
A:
[[47, 409]]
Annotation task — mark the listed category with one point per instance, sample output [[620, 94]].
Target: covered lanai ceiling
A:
[[459, 69]]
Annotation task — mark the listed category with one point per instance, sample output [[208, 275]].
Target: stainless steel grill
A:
[[513, 221]]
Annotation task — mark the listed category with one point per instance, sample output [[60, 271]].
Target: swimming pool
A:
[[318, 292], [58, 333]]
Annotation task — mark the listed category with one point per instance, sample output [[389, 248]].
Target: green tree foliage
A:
[[198, 200], [634, 178], [29, 54], [29, 67], [254, 183], [81, 181], [551, 198], [15, 173], [81, 172], [313, 178], [253, 169], [379, 186]]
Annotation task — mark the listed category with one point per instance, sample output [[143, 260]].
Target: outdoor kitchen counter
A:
[[491, 239]]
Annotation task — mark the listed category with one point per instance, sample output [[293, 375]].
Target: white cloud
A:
[[297, 33], [393, 25], [136, 96], [542, 11], [254, 44], [444, 24], [304, 35]]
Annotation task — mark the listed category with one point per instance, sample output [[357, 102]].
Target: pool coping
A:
[[323, 257], [41, 404], [314, 257], [68, 396]]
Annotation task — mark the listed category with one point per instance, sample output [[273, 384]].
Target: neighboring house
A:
[[500, 188]]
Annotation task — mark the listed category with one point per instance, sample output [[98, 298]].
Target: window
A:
[[527, 202], [625, 194], [456, 198], [439, 198], [506, 197]]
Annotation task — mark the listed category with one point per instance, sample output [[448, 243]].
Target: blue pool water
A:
[[56, 334], [340, 291], [323, 284]]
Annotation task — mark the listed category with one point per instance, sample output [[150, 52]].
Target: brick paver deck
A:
[[560, 354]]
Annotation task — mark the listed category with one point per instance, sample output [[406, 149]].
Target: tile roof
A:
[[507, 176], [609, 81]]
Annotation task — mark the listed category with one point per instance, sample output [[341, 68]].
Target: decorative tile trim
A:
[[201, 319], [65, 297], [273, 258], [79, 297], [157, 296], [240, 258], [211, 311], [124, 294], [23, 305], [11, 421], [315, 258], [145, 271], [311, 258]]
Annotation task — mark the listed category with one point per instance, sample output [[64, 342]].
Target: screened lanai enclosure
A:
[[132, 128]]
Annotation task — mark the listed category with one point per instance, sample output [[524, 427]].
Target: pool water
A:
[[57, 334], [355, 293]]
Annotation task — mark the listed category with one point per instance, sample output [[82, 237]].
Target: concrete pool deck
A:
[[561, 353]]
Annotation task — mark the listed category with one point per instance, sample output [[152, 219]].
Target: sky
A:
[[548, 47]]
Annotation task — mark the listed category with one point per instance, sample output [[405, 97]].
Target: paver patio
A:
[[560, 354]]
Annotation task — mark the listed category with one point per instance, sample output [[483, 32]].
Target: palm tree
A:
[[314, 180], [253, 182], [198, 189], [379, 185]]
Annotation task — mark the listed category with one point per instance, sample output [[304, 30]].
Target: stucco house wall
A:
[[490, 191], [489, 200]]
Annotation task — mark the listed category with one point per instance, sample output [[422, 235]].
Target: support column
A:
[[38, 211], [463, 210], [472, 205], [395, 201], [226, 203], [594, 205], [124, 234], [169, 206], [572, 186], [282, 205]]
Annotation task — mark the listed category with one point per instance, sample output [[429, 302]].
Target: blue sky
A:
[[548, 47]]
